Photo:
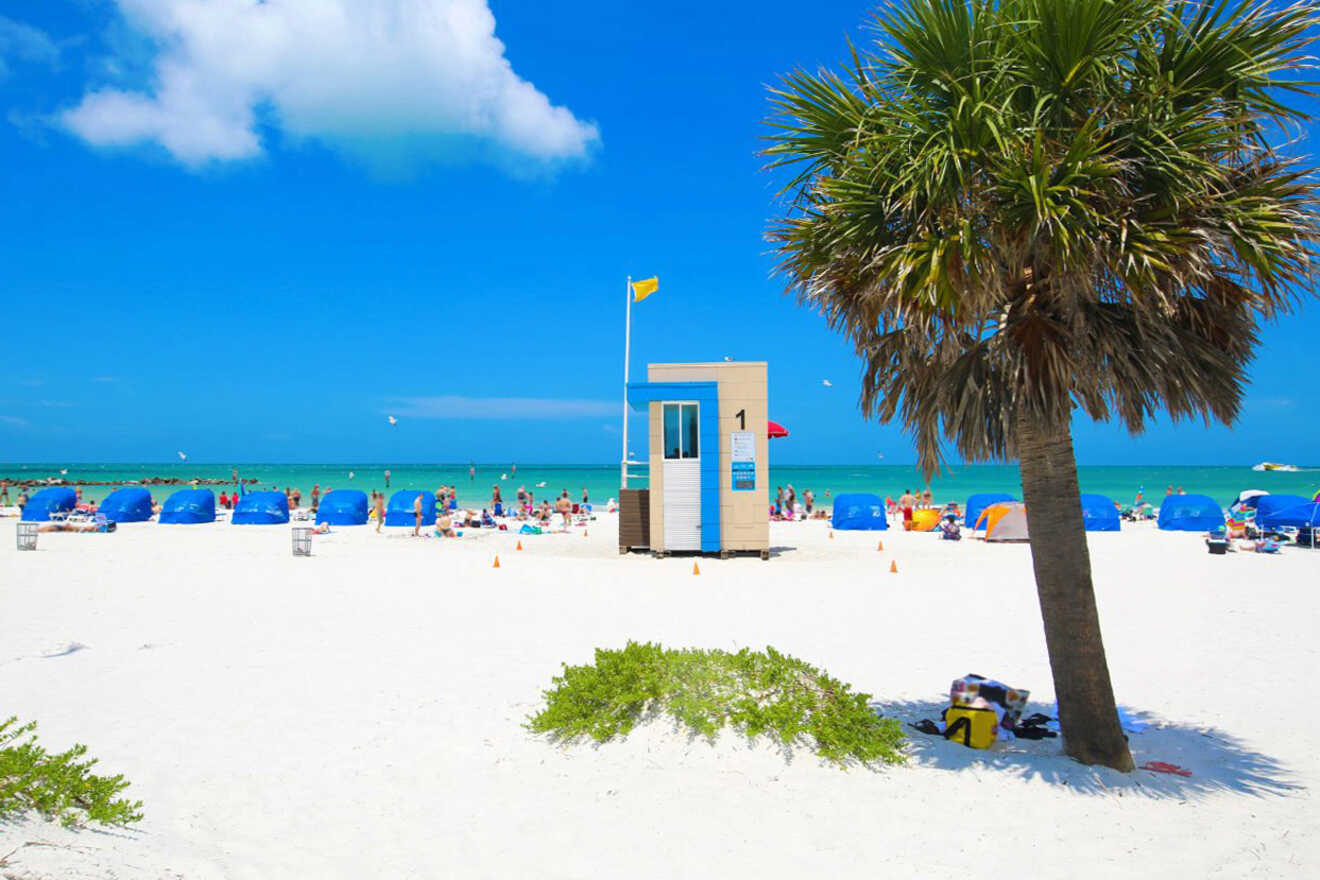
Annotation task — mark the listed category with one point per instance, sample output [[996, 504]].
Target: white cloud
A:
[[532, 408], [18, 40], [340, 71]]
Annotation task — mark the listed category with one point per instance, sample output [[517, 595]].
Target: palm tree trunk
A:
[[1059, 555]]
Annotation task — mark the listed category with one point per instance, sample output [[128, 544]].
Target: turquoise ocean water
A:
[[602, 481]]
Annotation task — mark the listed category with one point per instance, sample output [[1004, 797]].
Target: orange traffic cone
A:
[[519, 547], [831, 536], [497, 562], [695, 570], [879, 545], [893, 567]]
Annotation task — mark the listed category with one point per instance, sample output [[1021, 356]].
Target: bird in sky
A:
[[183, 456], [393, 420], [827, 383]]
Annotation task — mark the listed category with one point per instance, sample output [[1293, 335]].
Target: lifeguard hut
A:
[[708, 459]]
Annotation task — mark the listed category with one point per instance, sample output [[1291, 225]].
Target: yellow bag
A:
[[974, 728]]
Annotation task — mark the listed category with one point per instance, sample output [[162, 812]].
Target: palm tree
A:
[[1018, 210]]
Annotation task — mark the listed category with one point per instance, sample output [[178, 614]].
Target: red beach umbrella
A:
[[775, 430]]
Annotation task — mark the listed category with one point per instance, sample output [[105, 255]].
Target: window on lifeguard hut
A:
[[681, 430]]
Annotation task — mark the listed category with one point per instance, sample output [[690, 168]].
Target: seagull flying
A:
[[393, 420], [827, 383], [183, 456]]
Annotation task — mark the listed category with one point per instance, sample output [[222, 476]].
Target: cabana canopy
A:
[[261, 509], [129, 504], [1099, 513], [1190, 513], [859, 512], [1271, 510], [399, 512], [188, 507], [343, 507], [979, 502], [1301, 516], [44, 502]]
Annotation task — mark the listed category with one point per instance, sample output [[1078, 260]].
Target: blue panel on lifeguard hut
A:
[[642, 394]]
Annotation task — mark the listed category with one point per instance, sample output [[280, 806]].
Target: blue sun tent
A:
[[343, 507], [859, 512], [188, 507], [1190, 513], [977, 503], [44, 502], [399, 512], [1302, 516], [129, 504], [261, 509], [1272, 511], [1099, 513]]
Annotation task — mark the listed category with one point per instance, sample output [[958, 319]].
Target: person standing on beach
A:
[[417, 515], [779, 501], [387, 478], [522, 496], [495, 498], [565, 509], [927, 498], [4, 493], [585, 502], [316, 497], [380, 510], [906, 502], [808, 500]]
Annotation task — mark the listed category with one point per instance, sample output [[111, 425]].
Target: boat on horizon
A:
[[1275, 466]]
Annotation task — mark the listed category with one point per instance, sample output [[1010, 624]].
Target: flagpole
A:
[[627, 353]]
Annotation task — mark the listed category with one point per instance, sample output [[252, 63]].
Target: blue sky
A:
[[252, 233]]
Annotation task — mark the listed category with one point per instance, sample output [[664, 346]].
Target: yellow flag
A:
[[644, 288]]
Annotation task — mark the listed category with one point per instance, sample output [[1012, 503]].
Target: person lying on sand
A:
[[76, 527]]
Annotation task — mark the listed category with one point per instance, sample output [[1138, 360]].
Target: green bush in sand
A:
[[754, 692], [58, 786]]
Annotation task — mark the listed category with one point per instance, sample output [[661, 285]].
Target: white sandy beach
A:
[[358, 714]]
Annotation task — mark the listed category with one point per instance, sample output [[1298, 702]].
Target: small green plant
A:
[[756, 693], [58, 786]]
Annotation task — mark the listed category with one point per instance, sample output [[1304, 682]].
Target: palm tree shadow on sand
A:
[[1218, 761]]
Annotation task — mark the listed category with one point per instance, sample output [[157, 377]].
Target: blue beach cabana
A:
[[1099, 513], [129, 504], [977, 503], [1190, 513], [343, 507], [1301, 516], [44, 502], [1272, 510], [188, 507], [859, 512], [399, 512], [261, 509]]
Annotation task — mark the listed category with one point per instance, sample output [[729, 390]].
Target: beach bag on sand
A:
[[972, 726]]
